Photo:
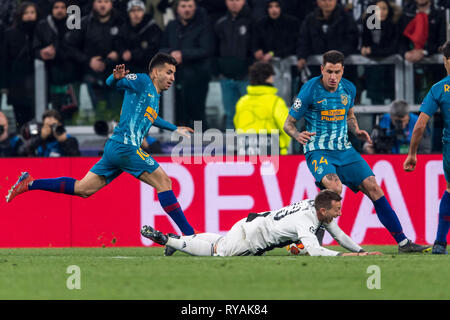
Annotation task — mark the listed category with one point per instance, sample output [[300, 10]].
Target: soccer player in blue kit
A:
[[437, 97], [123, 149], [326, 102]]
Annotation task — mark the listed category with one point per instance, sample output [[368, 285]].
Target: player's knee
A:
[[84, 192], [165, 184], [372, 189]]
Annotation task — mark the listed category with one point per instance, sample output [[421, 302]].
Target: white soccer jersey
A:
[[298, 221]]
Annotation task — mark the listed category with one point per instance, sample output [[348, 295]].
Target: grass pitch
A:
[[144, 273]]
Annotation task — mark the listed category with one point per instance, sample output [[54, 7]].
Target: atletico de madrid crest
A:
[[344, 99]]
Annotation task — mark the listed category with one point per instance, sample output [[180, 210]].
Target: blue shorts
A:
[[348, 164], [446, 160], [119, 157]]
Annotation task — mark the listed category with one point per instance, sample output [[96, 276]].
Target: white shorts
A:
[[234, 242]]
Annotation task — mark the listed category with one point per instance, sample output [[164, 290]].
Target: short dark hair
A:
[[333, 56], [259, 72], [324, 199], [445, 49], [52, 113], [160, 59]]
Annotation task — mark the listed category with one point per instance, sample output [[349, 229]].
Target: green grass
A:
[[143, 273]]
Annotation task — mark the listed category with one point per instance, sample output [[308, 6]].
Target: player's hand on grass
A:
[[119, 72], [375, 253], [364, 136], [304, 136], [184, 131], [410, 163]]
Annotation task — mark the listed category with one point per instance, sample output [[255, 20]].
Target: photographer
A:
[[50, 139], [9, 143], [393, 133]]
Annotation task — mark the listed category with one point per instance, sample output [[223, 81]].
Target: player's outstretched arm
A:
[[416, 137], [119, 72]]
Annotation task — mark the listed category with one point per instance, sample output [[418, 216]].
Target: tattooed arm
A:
[[353, 127], [290, 128]]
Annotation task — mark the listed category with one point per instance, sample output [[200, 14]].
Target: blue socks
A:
[[444, 218], [389, 218], [60, 185], [171, 206]]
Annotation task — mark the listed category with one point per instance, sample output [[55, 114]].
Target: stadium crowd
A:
[[210, 39]]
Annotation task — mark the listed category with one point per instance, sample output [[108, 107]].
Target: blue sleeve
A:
[[132, 81], [163, 124], [430, 104], [303, 101]]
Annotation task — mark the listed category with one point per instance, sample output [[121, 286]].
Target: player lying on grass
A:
[[262, 232]]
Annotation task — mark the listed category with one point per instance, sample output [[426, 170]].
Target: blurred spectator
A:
[[234, 33], [140, 38], [215, 9], [261, 108], [190, 40], [18, 63], [380, 43], [95, 47], [7, 11], [393, 133], [51, 140], [49, 46], [274, 40], [423, 30], [9, 142], [328, 27], [299, 9], [276, 34]]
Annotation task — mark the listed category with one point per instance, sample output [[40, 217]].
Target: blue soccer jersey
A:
[[325, 114], [439, 97], [140, 109]]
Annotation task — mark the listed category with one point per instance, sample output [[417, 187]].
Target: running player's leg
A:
[[159, 180], [440, 244], [387, 215]]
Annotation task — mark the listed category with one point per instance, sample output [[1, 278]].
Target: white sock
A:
[[403, 242], [192, 245]]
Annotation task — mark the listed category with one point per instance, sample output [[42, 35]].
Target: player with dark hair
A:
[[327, 102], [261, 232], [123, 149], [437, 97]]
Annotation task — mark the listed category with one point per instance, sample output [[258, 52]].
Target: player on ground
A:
[[437, 97], [326, 103], [123, 149], [262, 232]]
